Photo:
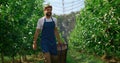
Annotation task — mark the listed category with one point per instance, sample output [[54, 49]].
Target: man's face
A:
[[48, 11]]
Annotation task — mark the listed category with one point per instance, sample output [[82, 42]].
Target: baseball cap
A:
[[46, 6]]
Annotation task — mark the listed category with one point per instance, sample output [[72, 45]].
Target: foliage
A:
[[18, 20], [97, 29], [64, 23]]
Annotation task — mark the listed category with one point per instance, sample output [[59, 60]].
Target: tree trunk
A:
[[23, 58], [20, 59], [13, 59], [2, 57]]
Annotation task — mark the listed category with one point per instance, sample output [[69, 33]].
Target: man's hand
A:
[[57, 36], [34, 45], [35, 39]]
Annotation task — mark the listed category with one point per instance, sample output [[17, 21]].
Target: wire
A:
[[66, 2], [64, 7], [77, 3], [77, 7], [74, 4]]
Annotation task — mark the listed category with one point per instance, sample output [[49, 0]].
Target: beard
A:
[[48, 14]]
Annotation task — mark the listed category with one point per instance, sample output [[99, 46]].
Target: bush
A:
[[97, 28]]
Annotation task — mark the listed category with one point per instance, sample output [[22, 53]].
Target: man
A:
[[49, 32]]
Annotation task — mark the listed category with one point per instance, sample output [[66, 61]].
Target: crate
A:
[[62, 53]]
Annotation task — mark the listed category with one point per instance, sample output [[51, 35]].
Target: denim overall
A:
[[48, 39]]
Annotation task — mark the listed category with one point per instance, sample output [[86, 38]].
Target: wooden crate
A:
[[62, 53]]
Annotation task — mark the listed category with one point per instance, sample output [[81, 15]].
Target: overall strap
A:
[[44, 19], [52, 19]]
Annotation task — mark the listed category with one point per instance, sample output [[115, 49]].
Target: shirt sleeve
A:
[[38, 24], [55, 22]]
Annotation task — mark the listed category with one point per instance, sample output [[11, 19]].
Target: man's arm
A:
[[36, 34], [57, 35], [35, 38]]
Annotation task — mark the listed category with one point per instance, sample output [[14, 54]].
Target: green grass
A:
[[72, 57], [77, 57]]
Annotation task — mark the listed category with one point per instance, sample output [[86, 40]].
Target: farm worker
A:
[[49, 35]]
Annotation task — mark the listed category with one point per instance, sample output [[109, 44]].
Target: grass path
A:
[[76, 57], [72, 57]]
